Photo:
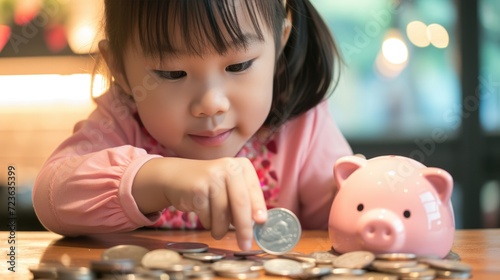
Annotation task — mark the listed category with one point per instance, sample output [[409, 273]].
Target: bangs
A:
[[201, 26]]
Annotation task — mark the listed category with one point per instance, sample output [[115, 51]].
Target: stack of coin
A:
[[169, 264], [277, 238]]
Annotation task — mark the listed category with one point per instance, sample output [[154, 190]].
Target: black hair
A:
[[305, 68]]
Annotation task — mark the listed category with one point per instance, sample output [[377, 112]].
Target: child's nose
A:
[[213, 101]]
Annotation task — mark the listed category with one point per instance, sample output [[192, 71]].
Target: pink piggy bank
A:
[[391, 204]]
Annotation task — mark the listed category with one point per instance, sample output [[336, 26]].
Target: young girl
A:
[[215, 113]]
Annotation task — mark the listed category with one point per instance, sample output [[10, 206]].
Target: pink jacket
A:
[[85, 185]]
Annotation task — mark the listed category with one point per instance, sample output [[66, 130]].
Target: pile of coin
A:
[[277, 238], [366, 265], [170, 264]]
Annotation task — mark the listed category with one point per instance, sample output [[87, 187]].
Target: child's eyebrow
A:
[[251, 38], [240, 42], [245, 41]]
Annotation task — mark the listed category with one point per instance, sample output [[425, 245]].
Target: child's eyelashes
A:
[[170, 75], [239, 67], [176, 75]]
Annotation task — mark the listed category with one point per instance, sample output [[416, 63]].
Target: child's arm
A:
[[85, 185], [91, 194]]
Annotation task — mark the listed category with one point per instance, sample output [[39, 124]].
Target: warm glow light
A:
[[417, 34], [21, 90], [393, 57], [26, 10], [83, 28], [4, 35], [422, 35], [81, 39], [438, 35], [388, 69], [395, 50]]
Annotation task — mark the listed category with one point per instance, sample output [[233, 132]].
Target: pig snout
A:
[[381, 230]]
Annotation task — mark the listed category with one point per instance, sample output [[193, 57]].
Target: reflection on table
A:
[[478, 248]]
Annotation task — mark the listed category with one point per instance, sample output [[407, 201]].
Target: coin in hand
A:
[[280, 233]]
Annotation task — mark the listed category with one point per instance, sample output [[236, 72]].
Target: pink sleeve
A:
[[85, 186], [312, 144]]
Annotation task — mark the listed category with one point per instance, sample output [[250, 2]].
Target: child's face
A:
[[208, 106]]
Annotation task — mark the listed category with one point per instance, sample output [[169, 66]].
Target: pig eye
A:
[[360, 207], [406, 213]]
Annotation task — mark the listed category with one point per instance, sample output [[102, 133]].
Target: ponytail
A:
[[306, 68]]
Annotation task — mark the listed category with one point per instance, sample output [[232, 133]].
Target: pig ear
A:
[[440, 180], [345, 166]]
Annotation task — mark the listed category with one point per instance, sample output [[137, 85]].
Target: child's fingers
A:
[[219, 209], [258, 204], [201, 206], [241, 209]]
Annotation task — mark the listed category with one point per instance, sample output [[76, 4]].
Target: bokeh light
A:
[[422, 35], [438, 35], [395, 50], [417, 34]]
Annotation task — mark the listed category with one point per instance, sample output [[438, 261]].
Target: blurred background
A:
[[420, 79]]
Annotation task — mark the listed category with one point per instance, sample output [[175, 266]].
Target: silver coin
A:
[[249, 253], [401, 270], [298, 257], [380, 264], [424, 274], [308, 265], [153, 272], [347, 271], [452, 256], [148, 275], [187, 247], [239, 275], [453, 274], [323, 257], [201, 266], [428, 257], [448, 265], [180, 266], [43, 271], [203, 274], [232, 266], [379, 276], [313, 272], [113, 266], [160, 258], [257, 265], [345, 277], [354, 260], [280, 233], [396, 256], [75, 273], [283, 267], [205, 257], [132, 252], [418, 278]]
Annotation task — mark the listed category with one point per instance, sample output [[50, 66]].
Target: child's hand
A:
[[221, 192]]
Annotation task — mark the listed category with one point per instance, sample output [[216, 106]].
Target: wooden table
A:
[[478, 248]]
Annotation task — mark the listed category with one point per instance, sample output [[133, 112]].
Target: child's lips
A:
[[211, 138]]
